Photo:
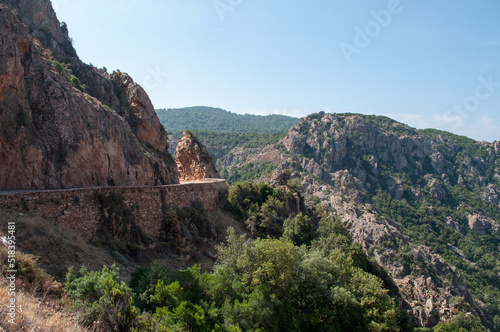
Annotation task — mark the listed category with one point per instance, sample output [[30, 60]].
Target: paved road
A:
[[20, 191]]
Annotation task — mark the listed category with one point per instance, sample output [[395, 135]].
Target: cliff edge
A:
[[67, 124]]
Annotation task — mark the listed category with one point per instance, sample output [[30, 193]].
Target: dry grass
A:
[[56, 249], [222, 221], [34, 314], [37, 298], [30, 277]]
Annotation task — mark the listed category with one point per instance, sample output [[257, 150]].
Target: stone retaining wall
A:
[[81, 212]]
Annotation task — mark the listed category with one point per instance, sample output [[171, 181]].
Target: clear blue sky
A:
[[425, 63]]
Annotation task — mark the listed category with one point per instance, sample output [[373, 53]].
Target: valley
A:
[[116, 216]]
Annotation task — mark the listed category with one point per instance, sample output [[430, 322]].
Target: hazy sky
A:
[[425, 63]]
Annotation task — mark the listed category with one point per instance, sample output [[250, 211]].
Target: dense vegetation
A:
[[423, 218], [266, 210], [257, 285], [440, 192], [218, 120], [247, 172], [313, 278]]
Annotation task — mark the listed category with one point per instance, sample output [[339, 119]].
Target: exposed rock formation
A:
[[365, 167], [53, 135], [431, 302], [481, 225], [194, 163], [42, 22], [436, 189], [453, 224]]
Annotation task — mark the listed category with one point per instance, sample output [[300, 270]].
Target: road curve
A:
[[20, 191]]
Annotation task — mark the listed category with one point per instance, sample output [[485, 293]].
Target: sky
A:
[[429, 64]]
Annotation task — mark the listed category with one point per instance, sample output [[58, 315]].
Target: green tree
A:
[[461, 323], [174, 311], [274, 285], [299, 230]]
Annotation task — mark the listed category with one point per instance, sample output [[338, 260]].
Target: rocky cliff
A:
[[423, 203], [67, 124], [41, 20], [194, 163]]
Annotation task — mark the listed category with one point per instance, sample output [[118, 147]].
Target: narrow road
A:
[[22, 191]]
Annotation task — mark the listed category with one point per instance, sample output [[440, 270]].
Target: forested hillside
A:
[[427, 202], [219, 120], [423, 203]]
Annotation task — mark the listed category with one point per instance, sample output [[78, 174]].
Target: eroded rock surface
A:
[[53, 134], [482, 225], [194, 163], [347, 162]]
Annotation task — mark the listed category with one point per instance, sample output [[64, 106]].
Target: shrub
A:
[[75, 82], [107, 304], [144, 283], [67, 73], [461, 323], [175, 311], [62, 69], [274, 285]]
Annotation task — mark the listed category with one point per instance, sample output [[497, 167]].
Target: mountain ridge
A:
[[219, 120], [415, 199]]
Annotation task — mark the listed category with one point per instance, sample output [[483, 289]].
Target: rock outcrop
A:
[[65, 124], [386, 182], [43, 24], [429, 300], [194, 163], [482, 225]]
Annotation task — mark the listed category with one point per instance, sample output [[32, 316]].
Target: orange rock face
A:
[[194, 163], [52, 135]]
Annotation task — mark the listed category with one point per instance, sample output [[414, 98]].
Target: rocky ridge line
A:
[[341, 158]]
